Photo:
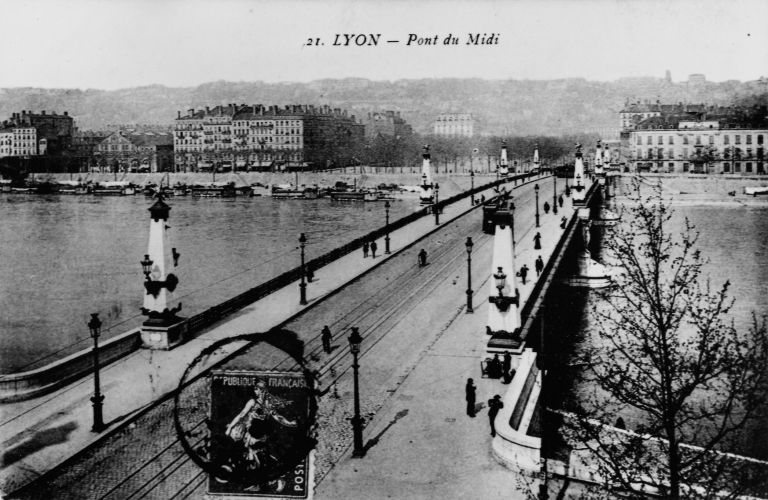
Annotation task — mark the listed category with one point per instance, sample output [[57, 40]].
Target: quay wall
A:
[[25, 385], [714, 186]]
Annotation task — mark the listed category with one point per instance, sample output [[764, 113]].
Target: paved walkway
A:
[[39, 434], [424, 444]]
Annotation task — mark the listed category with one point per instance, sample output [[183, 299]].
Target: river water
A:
[[64, 257], [734, 239]]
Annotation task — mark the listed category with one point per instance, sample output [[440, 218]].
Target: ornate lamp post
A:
[[469, 244], [554, 195], [386, 236], [536, 190], [357, 421], [502, 302], [303, 283], [472, 186], [435, 206], [94, 325]]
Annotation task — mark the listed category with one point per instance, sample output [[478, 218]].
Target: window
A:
[[726, 167], [685, 166], [685, 139], [685, 153], [738, 139], [661, 139], [760, 139], [671, 139], [671, 153], [737, 168], [711, 140], [749, 138], [639, 140], [698, 139], [649, 140], [726, 140], [748, 167]]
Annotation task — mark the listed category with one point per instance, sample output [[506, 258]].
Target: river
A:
[[734, 240], [64, 257]]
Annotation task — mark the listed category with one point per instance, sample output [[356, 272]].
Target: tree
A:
[[668, 355]]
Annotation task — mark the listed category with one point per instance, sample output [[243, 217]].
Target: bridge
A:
[[419, 345]]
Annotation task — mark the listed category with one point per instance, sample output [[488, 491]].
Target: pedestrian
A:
[[365, 249], [539, 265], [537, 241], [524, 272], [373, 249], [326, 338], [494, 367], [506, 366], [494, 405], [470, 390], [563, 222], [310, 274], [560, 200], [422, 258], [546, 207], [482, 199]]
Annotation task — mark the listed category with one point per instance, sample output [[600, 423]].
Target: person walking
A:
[[506, 366], [365, 249], [539, 265], [537, 241], [422, 258], [494, 405], [326, 338], [470, 396], [546, 207], [373, 249], [560, 200], [524, 273], [563, 222]]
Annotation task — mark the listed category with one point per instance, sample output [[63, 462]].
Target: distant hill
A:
[[514, 107]]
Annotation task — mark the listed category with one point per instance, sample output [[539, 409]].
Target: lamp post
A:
[[357, 421], [472, 186], [567, 187], [386, 236], [554, 195], [469, 244], [94, 325], [302, 283], [536, 190], [435, 206]]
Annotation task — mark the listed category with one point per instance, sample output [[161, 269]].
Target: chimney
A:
[[207, 109], [42, 112], [66, 113]]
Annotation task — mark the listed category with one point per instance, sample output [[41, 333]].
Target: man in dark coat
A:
[[506, 365], [365, 249], [524, 273], [422, 258], [373, 249], [494, 405], [326, 338], [470, 390], [539, 266]]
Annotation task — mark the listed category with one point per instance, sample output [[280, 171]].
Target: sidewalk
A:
[[39, 434], [422, 445]]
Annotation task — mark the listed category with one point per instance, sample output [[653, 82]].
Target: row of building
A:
[[31, 134], [679, 138]]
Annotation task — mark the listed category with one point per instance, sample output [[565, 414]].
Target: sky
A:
[[125, 43]]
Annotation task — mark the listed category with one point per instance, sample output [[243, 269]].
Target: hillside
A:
[[515, 107]]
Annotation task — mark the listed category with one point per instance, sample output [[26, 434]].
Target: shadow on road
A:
[[40, 440], [375, 440]]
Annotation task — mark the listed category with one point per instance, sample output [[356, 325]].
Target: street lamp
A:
[[357, 421], [386, 237], [567, 187], [469, 244], [472, 186], [554, 195], [435, 207], [536, 190], [94, 325], [303, 284], [503, 302]]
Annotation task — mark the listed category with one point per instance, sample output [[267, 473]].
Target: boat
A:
[[113, 188], [5, 185], [286, 191], [356, 195], [754, 191], [72, 187], [210, 190], [22, 190]]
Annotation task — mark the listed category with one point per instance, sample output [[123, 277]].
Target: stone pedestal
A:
[[160, 334]]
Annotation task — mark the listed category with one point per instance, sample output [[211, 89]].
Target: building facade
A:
[[454, 125], [701, 146], [388, 123], [56, 131], [134, 152], [258, 137]]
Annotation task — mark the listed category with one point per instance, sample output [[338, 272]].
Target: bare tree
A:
[[667, 353]]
